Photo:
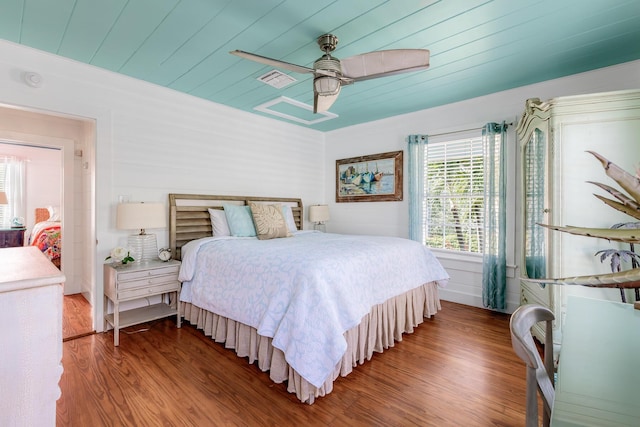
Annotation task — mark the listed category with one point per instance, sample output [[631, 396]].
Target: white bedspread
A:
[[304, 291]]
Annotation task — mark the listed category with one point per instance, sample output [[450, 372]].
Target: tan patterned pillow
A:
[[269, 221]]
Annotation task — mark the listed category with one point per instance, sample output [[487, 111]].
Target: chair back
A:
[[539, 372]]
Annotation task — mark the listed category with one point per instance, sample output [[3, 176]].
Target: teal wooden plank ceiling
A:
[[477, 46]]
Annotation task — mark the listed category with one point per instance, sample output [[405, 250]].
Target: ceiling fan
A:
[[330, 73]]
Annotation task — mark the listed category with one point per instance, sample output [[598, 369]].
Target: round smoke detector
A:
[[32, 79]]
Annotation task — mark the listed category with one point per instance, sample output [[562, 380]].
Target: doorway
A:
[[73, 139]]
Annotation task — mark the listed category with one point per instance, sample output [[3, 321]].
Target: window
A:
[[4, 209], [12, 170], [453, 203]]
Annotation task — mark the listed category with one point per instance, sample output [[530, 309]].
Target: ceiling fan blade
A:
[[384, 63], [322, 103], [273, 62]]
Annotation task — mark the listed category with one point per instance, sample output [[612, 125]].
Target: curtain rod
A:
[[458, 131]]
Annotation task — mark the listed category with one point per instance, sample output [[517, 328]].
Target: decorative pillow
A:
[[288, 218], [219, 223], [269, 221], [239, 220]]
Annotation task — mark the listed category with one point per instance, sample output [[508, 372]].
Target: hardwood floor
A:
[[457, 369], [76, 317]]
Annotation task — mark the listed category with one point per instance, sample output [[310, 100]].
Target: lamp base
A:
[[143, 247], [320, 227]]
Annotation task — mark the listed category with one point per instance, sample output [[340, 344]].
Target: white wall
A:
[[391, 218], [151, 141]]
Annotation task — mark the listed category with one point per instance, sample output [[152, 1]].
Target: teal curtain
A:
[[416, 147], [494, 261]]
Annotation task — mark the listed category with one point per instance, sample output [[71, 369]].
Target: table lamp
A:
[[319, 214], [140, 216]]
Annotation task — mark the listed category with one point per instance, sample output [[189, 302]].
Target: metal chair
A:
[[539, 373]]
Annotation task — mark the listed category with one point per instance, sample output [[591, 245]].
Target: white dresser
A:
[[30, 337]]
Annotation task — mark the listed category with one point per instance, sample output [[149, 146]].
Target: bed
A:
[[46, 234], [308, 307]]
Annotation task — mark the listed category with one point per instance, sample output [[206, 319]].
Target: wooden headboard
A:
[[42, 214], [189, 215]]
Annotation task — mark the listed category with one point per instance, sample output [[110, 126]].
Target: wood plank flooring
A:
[[76, 317], [457, 369]]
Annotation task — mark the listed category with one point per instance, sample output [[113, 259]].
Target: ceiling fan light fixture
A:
[[326, 85]]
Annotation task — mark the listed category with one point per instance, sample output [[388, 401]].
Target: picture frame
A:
[[372, 178]]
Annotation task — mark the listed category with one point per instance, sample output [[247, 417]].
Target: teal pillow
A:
[[240, 220]]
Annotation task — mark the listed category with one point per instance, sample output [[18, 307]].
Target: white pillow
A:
[[54, 213], [288, 218], [219, 223]]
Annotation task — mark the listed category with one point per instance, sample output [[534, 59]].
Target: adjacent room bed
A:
[[304, 305], [46, 234]]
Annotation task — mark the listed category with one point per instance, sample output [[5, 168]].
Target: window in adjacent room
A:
[[4, 209], [12, 179], [454, 194]]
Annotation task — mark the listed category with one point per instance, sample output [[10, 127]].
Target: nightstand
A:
[[11, 237], [126, 282]]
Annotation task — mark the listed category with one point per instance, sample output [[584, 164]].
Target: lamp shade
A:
[[3, 198], [138, 216], [319, 213]]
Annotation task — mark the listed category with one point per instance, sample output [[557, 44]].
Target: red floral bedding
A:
[[47, 237]]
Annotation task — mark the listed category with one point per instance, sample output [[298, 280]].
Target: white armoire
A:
[[556, 188]]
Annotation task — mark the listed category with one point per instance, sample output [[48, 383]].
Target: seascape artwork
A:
[[367, 178], [372, 178]]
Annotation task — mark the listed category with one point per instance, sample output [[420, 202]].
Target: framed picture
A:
[[374, 178]]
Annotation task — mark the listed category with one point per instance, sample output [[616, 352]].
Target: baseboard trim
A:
[[472, 300]]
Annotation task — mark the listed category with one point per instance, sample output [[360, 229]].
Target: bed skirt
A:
[[377, 331]]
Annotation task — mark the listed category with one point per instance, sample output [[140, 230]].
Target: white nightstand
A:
[[125, 282]]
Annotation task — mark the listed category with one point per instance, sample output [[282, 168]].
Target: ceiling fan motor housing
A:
[[328, 63]]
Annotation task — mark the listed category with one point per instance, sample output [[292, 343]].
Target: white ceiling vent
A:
[[276, 79]]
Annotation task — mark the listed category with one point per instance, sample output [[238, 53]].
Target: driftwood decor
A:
[[372, 178]]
